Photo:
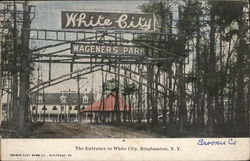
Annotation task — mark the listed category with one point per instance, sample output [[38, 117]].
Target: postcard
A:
[[124, 80]]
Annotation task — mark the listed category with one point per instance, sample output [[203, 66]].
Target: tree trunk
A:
[[164, 112], [202, 111], [140, 96], [171, 98], [117, 104], [24, 74], [1, 86], [241, 120], [211, 82], [130, 109], [182, 107], [155, 104], [150, 92], [14, 89], [198, 72]]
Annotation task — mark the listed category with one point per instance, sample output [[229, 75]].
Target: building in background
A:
[[105, 107], [58, 107]]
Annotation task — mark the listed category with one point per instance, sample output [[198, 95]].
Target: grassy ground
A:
[[79, 130], [83, 130], [114, 130]]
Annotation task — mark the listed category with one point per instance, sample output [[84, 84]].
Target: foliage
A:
[[129, 89], [226, 12], [215, 33], [189, 15]]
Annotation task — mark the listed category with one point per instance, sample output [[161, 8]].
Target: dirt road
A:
[[85, 130]]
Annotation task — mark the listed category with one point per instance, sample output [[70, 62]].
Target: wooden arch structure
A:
[[133, 64]]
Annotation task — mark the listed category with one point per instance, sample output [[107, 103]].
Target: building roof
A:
[[106, 104], [56, 98]]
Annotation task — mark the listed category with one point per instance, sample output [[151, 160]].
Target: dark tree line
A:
[[16, 69], [210, 72]]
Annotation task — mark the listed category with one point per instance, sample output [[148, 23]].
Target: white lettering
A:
[[107, 22], [137, 50], [71, 19], [125, 50], [122, 21], [130, 51], [108, 49], [81, 19], [98, 49], [132, 23], [146, 25], [115, 50], [103, 49], [75, 48], [142, 51], [87, 48], [141, 23], [92, 50], [81, 48]]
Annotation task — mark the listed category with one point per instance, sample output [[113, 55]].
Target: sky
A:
[[48, 16]]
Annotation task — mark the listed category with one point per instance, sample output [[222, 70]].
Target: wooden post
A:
[[78, 97], [24, 74], [15, 75], [44, 106], [182, 87], [0, 87], [48, 116]]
